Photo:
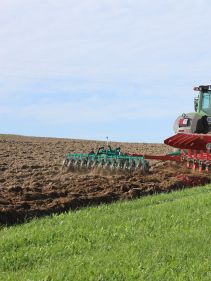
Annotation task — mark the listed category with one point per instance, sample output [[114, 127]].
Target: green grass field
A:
[[160, 237]]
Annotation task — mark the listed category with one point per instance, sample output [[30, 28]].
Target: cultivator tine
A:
[[107, 165], [113, 165], [119, 165], [83, 164], [76, 164], [70, 164], [64, 162], [94, 164], [125, 166], [89, 164], [138, 165], [101, 163], [132, 165]]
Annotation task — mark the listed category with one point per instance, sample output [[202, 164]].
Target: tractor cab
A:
[[202, 103]]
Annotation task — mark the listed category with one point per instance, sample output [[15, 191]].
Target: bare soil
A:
[[32, 183]]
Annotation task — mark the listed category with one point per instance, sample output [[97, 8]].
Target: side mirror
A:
[[196, 103]]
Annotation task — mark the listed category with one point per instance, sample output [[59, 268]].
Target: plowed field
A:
[[32, 183]]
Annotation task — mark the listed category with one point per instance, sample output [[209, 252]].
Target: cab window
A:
[[206, 103]]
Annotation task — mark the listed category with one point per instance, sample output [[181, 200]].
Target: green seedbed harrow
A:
[[105, 158]]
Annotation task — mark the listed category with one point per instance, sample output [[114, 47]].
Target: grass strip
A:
[[159, 237]]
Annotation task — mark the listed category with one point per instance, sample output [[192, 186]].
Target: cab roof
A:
[[203, 88]]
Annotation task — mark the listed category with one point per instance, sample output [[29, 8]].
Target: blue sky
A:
[[95, 68]]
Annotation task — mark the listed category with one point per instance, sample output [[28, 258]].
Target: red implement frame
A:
[[189, 141], [195, 150], [198, 149]]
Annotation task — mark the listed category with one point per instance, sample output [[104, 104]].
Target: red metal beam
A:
[[189, 141], [159, 157]]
